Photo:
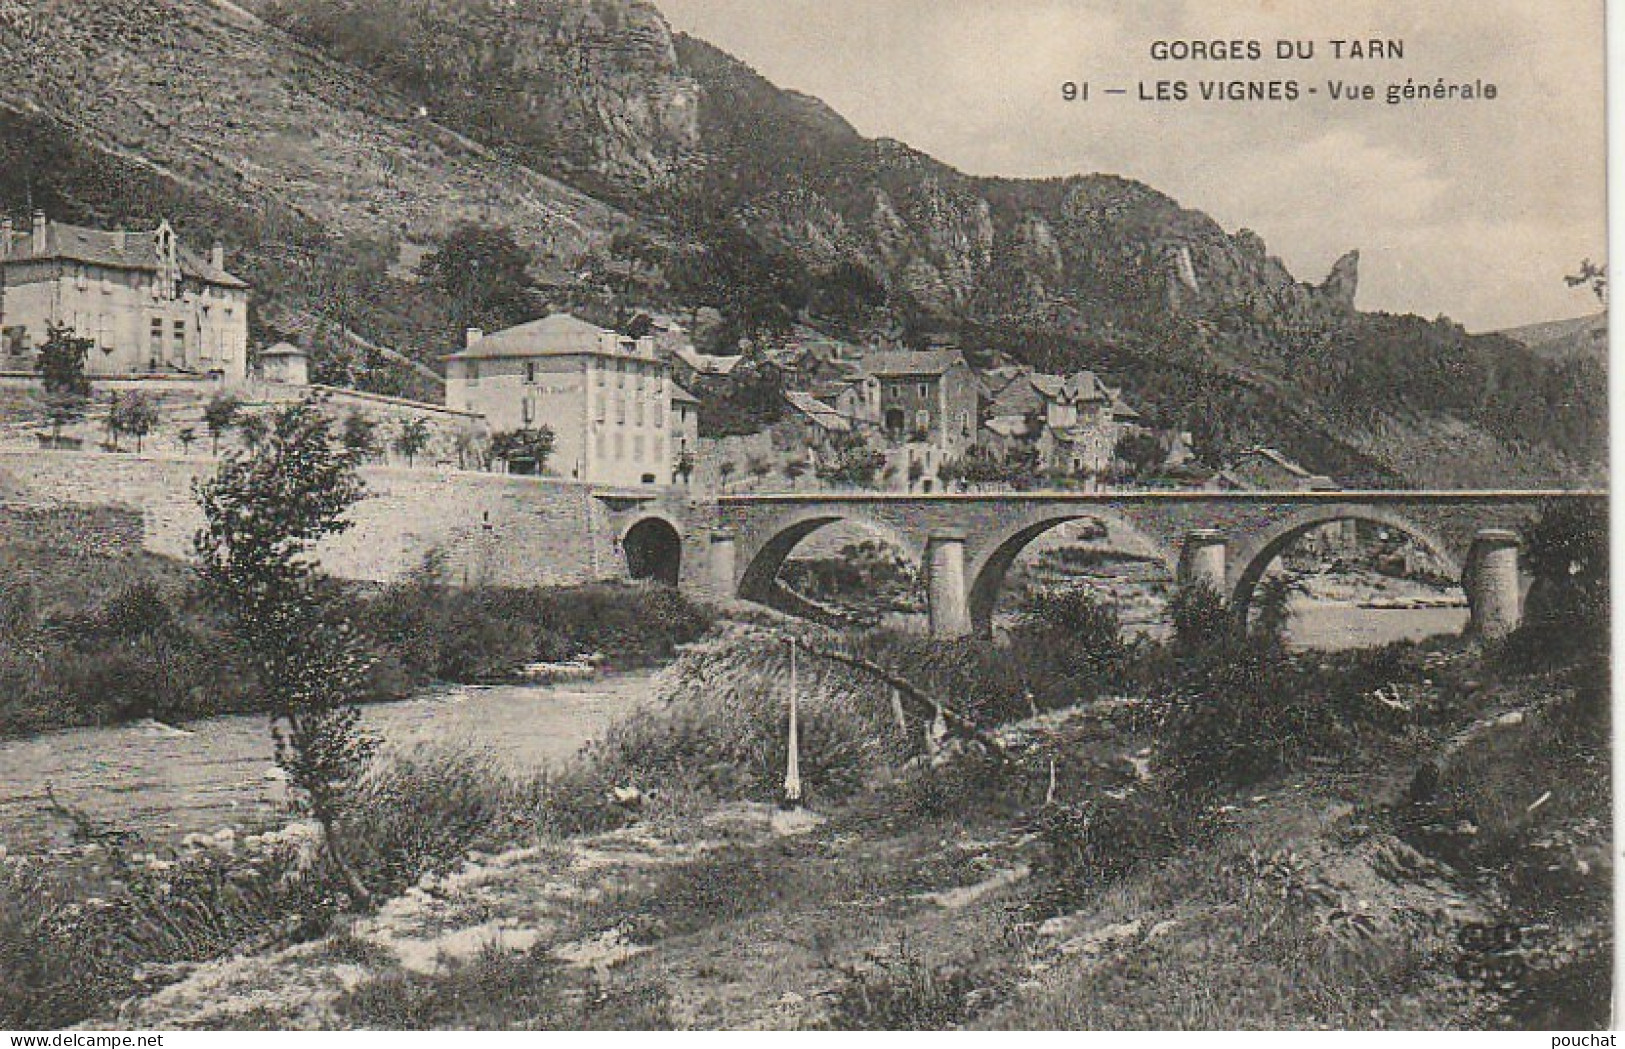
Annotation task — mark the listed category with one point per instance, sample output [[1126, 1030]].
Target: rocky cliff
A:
[[587, 90], [325, 137]]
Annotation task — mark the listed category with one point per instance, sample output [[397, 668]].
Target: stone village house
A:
[[616, 415], [1073, 422], [150, 304]]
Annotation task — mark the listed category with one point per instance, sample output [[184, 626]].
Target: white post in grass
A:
[[792, 770]]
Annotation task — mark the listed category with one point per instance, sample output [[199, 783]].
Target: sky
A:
[[1472, 209]]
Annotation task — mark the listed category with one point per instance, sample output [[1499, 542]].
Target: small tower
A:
[[285, 363]]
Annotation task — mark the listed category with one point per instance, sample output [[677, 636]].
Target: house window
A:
[[637, 448], [638, 416], [660, 415], [599, 370], [527, 409], [180, 334], [620, 446], [473, 373], [155, 337], [601, 407], [598, 443], [530, 373], [922, 390]]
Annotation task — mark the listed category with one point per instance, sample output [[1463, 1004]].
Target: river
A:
[[165, 783], [219, 772]]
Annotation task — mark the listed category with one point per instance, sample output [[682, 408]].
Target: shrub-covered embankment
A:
[[95, 641]]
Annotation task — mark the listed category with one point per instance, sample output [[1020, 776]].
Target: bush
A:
[[146, 651], [1083, 634], [1092, 845], [1567, 617], [1201, 619], [77, 940], [901, 991], [1240, 716], [722, 720], [431, 632], [419, 810]]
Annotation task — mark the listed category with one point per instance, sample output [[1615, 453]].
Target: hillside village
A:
[[166, 327]]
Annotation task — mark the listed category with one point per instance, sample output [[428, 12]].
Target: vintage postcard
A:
[[804, 515]]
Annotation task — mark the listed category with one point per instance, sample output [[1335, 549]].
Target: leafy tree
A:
[[853, 462], [1272, 610], [759, 467], [1592, 276], [113, 423], [360, 434], [1139, 452], [220, 415], [1083, 634], [135, 414], [186, 436], [1017, 469], [526, 449], [485, 274], [265, 509], [472, 448], [413, 438], [1568, 607], [62, 375], [254, 428], [725, 471], [747, 401]]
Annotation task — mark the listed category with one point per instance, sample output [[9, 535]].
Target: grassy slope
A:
[[1323, 900]]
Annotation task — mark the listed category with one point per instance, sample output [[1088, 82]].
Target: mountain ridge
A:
[[327, 136]]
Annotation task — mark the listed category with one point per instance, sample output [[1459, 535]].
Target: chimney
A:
[[39, 247], [474, 336], [217, 256], [6, 234]]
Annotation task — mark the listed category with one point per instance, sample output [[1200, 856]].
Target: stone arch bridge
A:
[[1225, 540]]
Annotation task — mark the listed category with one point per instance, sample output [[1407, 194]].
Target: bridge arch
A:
[[653, 546], [988, 571], [1249, 563], [756, 582]]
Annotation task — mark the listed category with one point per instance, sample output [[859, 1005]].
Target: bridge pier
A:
[[722, 564], [947, 596], [1202, 560], [1493, 589]]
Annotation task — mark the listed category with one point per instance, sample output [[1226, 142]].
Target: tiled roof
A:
[[705, 364], [905, 363], [1008, 425], [558, 335], [817, 411], [126, 250], [682, 396], [1083, 385]]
